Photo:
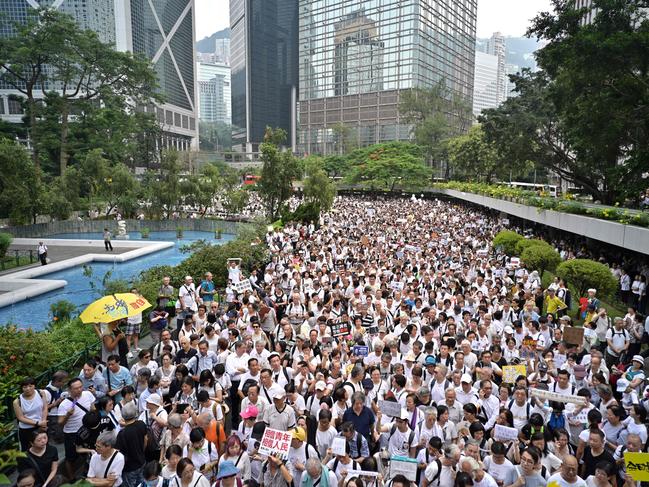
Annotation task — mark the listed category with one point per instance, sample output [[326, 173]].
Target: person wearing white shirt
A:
[[187, 297], [107, 463], [235, 366]]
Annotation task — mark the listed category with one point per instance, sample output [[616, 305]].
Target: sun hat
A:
[[227, 469], [154, 399], [298, 433], [251, 411], [638, 358]]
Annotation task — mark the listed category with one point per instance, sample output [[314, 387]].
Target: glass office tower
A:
[[356, 58], [263, 58]]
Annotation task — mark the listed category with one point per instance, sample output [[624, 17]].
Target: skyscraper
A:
[[163, 31], [357, 58], [485, 82], [214, 92], [496, 47], [264, 62]]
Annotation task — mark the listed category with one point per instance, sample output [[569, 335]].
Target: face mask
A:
[[151, 483]]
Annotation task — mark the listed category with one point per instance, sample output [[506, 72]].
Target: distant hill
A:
[[520, 50], [207, 43]]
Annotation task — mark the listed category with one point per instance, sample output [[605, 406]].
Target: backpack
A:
[[153, 431], [556, 421], [435, 481], [527, 404], [411, 436]]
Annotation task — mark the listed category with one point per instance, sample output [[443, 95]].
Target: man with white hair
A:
[[314, 471], [446, 477], [480, 477], [131, 442], [187, 303], [106, 464]]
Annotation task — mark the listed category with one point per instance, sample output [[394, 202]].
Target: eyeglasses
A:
[[255, 326]]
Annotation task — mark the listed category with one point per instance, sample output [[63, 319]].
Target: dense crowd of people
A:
[[391, 342]]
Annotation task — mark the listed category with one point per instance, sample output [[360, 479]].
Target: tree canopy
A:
[[583, 115]]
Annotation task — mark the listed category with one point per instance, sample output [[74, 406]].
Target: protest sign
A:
[[338, 446], [365, 242], [396, 285], [390, 408], [482, 253], [340, 329], [515, 262], [511, 372], [275, 442], [360, 350], [530, 343], [505, 433], [361, 473], [243, 286], [555, 396], [573, 335], [404, 466], [637, 465]]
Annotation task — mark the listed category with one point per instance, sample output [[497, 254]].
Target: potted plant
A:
[[179, 232], [217, 233], [146, 232]]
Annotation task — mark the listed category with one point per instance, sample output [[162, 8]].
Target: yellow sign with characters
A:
[[511, 372], [637, 465]]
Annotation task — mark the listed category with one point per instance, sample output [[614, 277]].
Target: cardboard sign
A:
[[396, 285], [243, 286], [365, 242], [573, 335], [338, 446], [555, 396], [505, 433], [404, 466], [275, 442], [360, 350], [361, 473], [511, 372], [340, 329], [529, 342], [515, 262], [637, 465], [390, 408]]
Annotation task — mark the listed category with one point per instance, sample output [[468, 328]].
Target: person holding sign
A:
[[402, 441], [299, 453], [276, 473]]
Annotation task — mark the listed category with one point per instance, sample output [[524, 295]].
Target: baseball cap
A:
[[298, 433], [430, 360], [368, 384], [509, 330], [277, 392], [622, 384], [579, 371], [466, 378], [404, 414], [320, 386], [410, 357], [251, 411], [543, 367]]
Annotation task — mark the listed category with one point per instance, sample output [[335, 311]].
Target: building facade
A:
[[214, 93], [496, 46], [163, 31], [357, 58], [485, 83], [264, 60]]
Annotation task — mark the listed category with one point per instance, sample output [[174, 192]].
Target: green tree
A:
[[24, 58], [164, 189], [318, 188], [436, 114], [585, 273], [236, 200], [94, 171], [22, 193], [345, 138], [390, 165], [5, 243], [278, 172], [507, 241], [215, 136], [120, 190], [541, 257]]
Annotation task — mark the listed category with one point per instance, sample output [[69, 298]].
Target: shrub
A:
[[530, 242], [62, 310], [507, 240], [305, 213], [5, 242], [541, 258], [585, 273]]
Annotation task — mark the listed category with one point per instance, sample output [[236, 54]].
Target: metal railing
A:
[[19, 258]]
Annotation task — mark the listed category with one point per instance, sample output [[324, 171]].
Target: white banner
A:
[[505, 433], [555, 396], [390, 408]]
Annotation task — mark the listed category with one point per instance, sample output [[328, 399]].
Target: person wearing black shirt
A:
[[41, 457], [594, 454], [131, 442]]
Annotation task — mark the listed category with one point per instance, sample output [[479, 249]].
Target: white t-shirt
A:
[[188, 295], [323, 440], [557, 479], [98, 467], [398, 443], [75, 421], [619, 338], [498, 472]]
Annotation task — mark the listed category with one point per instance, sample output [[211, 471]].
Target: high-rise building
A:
[[357, 58], [214, 93], [485, 82], [163, 31], [222, 51], [264, 62], [496, 47]]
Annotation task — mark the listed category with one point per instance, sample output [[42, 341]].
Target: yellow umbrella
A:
[[114, 307]]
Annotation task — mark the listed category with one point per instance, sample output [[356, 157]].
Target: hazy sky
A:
[[511, 17]]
